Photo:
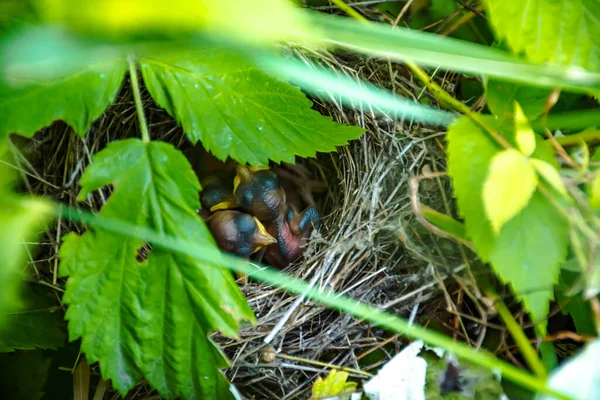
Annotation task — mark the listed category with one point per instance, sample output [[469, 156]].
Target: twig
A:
[[324, 364], [469, 15], [416, 206]]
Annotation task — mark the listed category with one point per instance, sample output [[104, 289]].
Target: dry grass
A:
[[372, 247]]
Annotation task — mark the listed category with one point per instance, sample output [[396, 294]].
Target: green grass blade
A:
[[329, 298], [322, 83], [581, 119], [438, 51]]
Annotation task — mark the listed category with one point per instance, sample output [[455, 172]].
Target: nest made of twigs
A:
[[371, 248]]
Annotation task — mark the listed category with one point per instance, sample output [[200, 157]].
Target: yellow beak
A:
[[224, 205], [245, 172], [262, 237]]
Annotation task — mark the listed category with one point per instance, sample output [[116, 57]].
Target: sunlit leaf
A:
[[150, 318], [237, 110], [528, 253], [21, 220], [594, 190], [78, 99], [550, 175], [470, 153], [578, 377], [335, 384], [530, 247], [594, 186], [500, 96], [564, 32], [508, 187], [524, 135], [262, 20]]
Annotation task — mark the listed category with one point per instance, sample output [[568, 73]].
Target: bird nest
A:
[[371, 247]]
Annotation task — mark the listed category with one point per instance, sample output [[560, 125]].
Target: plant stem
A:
[[324, 364], [589, 136], [349, 10], [446, 98], [138, 99], [581, 119], [212, 257], [436, 90], [469, 15], [519, 336]]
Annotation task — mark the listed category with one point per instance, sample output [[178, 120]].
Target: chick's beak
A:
[[244, 172], [262, 237], [236, 183], [224, 205]]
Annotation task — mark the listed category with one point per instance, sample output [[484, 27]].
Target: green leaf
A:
[[524, 135], [594, 191], [20, 222], [262, 20], [563, 32], [470, 152], [335, 384], [78, 99], [548, 355], [574, 304], [508, 187], [578, 377], [530, 247], [443, 8], [38, 323], [150, 318], [501, 94], [528, 254], [23, 374], [550, 175], [237, 110], [593, 188], [445, 222]]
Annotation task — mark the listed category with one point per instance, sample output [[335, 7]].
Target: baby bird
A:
[[292, 230], [216, 195], [239, 233], [257, 190]]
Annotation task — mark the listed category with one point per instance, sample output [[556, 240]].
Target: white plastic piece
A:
[[402, 378], [578, 377]]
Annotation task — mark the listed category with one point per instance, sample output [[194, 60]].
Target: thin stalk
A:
[[590, 136], [436, 90], [349, 10], [446, 98], [138, 99], [581, 119], [519, 336], [212, 257], [469, 15], [324, 364]]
